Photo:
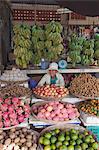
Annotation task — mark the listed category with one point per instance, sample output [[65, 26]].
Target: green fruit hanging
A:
[[22, 45]]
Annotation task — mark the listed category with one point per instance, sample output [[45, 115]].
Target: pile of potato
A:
[[18, 139], [14, 90], [85, 85]]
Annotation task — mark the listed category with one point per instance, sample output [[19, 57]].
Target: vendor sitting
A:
[[52, 77]]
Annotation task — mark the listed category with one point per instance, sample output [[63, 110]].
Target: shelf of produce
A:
[[82, 70]]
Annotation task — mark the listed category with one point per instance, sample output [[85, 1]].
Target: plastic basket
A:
[[94, 130]]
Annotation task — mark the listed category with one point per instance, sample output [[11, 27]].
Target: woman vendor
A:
[[53, 76]]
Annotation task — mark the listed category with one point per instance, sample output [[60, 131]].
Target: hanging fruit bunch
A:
[[22, 45], [37, 43], [87, 56], [75, 48], [96, 54], [53, 40], [81, 51]]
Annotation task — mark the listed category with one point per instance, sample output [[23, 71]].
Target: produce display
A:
[[14, 90], [51, 91], [85, 85], [90, 107], [13, 75], [53, 40], [22, 45], [38, 46], [96, 54], [83, 51], [13, 111], [56, 111], [18, 139], [58, 139]]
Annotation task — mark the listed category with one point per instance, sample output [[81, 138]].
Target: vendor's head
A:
[[53, 69]]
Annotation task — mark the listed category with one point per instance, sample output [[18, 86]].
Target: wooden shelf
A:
[[82, 70]]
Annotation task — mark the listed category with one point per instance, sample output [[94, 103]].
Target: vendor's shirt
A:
[[53, 80], [46, 79]]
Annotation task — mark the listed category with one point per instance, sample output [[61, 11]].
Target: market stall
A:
[[67, 98]]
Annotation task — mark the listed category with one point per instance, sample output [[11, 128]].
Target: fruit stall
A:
[[48, 117]]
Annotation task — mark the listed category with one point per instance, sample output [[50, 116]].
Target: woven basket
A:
[[62, 127], [49, 121]]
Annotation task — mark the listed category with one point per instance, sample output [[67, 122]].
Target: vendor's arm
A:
[[62, 82], [43, 80]]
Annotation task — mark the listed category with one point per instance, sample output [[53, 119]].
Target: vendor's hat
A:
[[53, 66]]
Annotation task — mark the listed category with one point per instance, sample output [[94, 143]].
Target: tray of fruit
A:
[[85, 86], [52, 92], [15, 90], [67, 137], [18, 139], [54, 111], [13, 112], [91, 108]]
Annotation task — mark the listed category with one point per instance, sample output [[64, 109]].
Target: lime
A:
[[67, 138], [95, 145], [47, 147], [57, 131], [90, 136], [58, 144], [74, 136], [53, 132], [73, 131], [70, 147], [79, 141], [85, 133], [63, 147], [78, 147], [80, 136], [72, 143], [87, 139], [53, 147], [84, 146], [53, 139], [47, 135], [92, 140], [41, 140], [46, 141], [90, 148], [66, 143], [61, 138], [67, 132]]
